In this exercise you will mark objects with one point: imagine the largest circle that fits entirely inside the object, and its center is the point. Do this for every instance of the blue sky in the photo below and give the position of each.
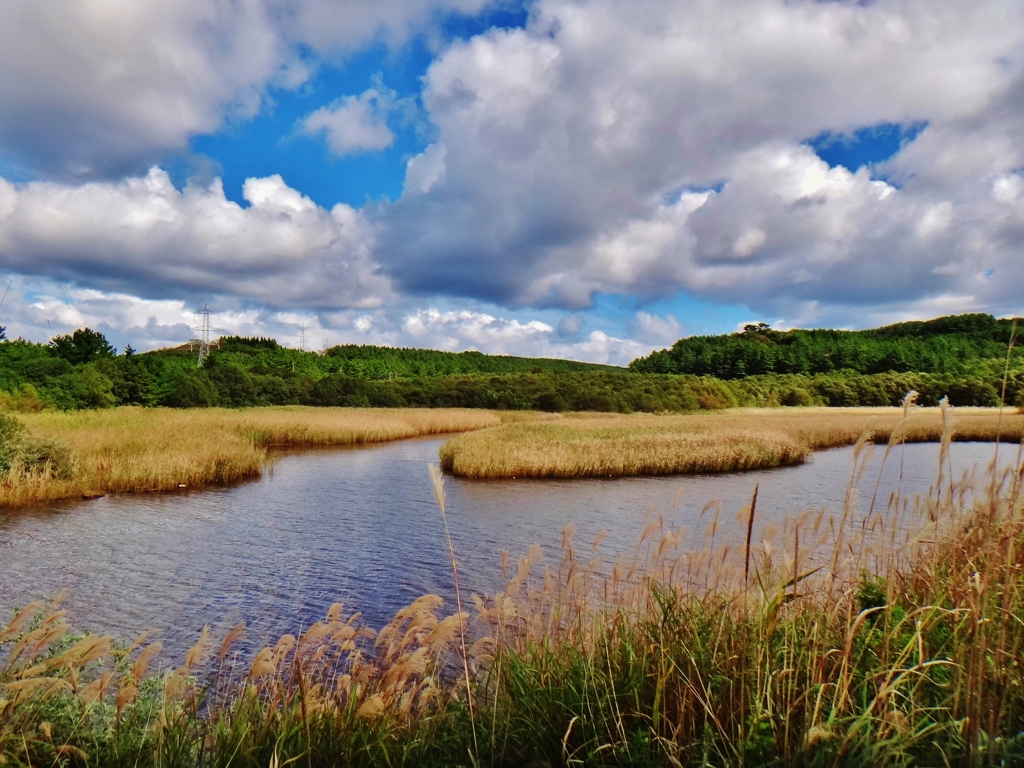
(270, 143)
(580, 179)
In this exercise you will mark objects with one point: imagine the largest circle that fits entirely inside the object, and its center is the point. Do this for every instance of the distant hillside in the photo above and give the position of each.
(372, 362)
(377, 362)
(959, 344)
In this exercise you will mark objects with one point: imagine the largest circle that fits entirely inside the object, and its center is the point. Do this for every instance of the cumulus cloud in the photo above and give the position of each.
(98, 89)
(450, 329)
(143, 236)
(466, 329)
(654, 147)
(654, 328)
(570, 325)
(329, 26)
(354, 123)
(625, 149)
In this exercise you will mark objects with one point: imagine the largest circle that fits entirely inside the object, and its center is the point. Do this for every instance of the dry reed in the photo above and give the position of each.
(134, 449)
(591, 445)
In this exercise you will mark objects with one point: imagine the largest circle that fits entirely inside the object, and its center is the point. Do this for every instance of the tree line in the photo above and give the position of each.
(961, 357)
(964, 345)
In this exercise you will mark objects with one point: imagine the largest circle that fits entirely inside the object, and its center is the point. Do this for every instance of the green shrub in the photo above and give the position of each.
(796, 396)
(32, 454)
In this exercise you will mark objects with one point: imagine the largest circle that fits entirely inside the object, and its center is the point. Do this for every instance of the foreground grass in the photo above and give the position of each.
(828, 643)
(135, 449)
(590, 445)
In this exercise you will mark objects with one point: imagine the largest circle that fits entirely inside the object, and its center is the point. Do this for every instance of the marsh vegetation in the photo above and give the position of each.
(596, 445)
(59, 455)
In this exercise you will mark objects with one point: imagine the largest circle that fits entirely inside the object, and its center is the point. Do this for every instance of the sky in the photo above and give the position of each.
(588, 179)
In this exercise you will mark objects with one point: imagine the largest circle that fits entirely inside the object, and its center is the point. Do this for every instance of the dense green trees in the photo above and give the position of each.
(961, 344)
(83, 346)
(82, 370)
(962, 357)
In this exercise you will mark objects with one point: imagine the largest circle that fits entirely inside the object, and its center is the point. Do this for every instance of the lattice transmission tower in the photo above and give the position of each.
(203, 342)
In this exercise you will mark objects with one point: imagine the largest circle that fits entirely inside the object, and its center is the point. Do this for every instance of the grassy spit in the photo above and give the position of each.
(137, 449)
(828, 642)
(591, 445)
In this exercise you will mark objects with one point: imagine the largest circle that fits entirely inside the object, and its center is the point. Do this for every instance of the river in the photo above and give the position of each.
(360, 525)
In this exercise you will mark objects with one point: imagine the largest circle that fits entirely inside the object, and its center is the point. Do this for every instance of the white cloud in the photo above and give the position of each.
(329, 26)
(425, 169)
(455, 329)
(465, 329)
(570, 325)
(1007, 188)
(90, 88)
(96, 89)
(657, 329)
(573, 157)
(936, 220)
(749, 242)
(143, 236)
(354, 123)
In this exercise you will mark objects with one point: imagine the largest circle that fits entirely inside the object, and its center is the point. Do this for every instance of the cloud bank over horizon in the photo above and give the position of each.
(585, 183)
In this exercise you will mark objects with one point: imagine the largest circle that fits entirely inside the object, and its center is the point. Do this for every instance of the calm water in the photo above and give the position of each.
(361, 526)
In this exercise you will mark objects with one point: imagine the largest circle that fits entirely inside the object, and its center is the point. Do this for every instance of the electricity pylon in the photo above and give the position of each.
(203, 342)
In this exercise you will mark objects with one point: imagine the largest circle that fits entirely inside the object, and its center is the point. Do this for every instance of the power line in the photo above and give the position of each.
(2, 300)
(64, 292)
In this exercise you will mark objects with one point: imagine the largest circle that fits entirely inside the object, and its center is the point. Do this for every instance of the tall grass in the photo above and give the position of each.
(889, 637)
(581, 445)
(135, 449)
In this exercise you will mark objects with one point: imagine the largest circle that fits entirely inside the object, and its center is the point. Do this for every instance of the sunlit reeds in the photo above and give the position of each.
(590, 445)
(136, 449)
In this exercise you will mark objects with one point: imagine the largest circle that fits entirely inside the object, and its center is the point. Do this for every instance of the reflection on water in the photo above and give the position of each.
(360, 526)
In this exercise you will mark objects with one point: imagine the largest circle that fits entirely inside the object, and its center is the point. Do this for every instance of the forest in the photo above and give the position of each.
(962, 345)
(963, 357)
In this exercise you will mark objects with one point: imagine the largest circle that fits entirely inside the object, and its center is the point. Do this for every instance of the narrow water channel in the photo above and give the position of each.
(360, 525)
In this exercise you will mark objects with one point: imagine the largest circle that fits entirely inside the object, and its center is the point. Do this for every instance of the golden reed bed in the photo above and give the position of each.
(136, 449)
(593, 445)
(129, 450)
